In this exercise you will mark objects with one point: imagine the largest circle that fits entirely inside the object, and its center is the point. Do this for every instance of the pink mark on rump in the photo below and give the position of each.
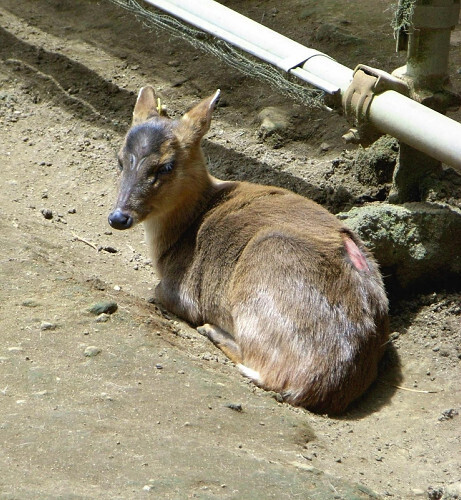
(356, 256)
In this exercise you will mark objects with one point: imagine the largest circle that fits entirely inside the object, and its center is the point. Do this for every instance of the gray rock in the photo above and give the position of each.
(103, 318)
(91, 351)
(452, 491)
(45, 325)
(273, 120)
(448, 414)
(235, 406)
(40, 393)
(103, 307)
(47, 213)
(30, 303)
(15, 349)
(416, 243)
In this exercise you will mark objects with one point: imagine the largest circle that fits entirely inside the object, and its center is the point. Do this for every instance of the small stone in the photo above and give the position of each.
(47, 213)
(434, 493)
(273, 120)
(103, 307)
(324, 147)
(159, 366)
(278, 397)
(97, 284)
(453, 490)
(30, 303)
(72, 211)
(109, 249)
(103, 318)
(45, 325)
(448, 414)
(15, 349)
(91, 351)
(40, 393)
(235, 406)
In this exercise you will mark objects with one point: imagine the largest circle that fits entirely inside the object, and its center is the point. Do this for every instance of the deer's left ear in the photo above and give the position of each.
(196, 122)
(146, 105)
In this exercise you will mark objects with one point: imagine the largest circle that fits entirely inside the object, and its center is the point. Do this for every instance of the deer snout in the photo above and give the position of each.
(120, 220)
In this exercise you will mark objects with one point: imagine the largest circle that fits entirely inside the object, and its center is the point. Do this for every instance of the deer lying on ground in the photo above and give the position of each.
(271, 278)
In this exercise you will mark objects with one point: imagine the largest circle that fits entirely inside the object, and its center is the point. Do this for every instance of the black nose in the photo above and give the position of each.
(120, 220)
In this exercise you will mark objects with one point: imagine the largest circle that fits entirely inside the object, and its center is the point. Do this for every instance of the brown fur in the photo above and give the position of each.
(286, 290)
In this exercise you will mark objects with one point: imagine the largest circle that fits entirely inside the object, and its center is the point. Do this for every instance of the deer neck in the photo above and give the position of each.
(163, 231)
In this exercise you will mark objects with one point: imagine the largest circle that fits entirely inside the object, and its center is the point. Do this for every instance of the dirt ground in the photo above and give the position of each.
(136, 403)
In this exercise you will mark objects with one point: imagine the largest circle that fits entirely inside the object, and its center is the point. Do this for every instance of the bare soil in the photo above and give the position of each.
(136, 403)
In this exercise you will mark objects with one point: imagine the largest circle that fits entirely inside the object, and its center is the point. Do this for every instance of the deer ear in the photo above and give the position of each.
(196, 122)
(146, 105)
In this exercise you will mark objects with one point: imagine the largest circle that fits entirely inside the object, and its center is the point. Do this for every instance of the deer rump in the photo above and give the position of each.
(297, 300)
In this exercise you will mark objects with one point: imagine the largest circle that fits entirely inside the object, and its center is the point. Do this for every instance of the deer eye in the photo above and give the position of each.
(166, 168)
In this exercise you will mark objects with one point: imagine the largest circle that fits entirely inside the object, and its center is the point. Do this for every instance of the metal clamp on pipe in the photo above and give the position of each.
(297, 64)
(366, 83)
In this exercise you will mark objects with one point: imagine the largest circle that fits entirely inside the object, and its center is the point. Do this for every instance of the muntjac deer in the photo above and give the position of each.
(271, 278)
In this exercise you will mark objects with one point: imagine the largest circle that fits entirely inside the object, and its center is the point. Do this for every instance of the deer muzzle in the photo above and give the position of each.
(120, 220)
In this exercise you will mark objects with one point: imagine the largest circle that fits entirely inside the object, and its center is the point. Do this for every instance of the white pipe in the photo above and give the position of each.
(390, 112)
(418, 126)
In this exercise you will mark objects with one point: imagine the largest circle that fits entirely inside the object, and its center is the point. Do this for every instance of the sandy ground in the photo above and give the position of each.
(136, 403)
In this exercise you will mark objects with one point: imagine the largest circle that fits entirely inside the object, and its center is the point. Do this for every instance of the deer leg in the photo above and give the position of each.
(223, 340)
